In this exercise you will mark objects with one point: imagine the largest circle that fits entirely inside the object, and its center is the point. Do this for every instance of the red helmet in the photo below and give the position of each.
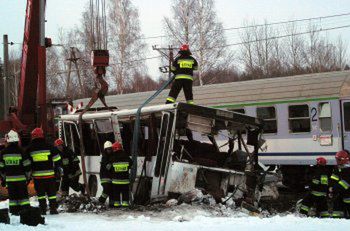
(37, 133)
(321, 161)
(117, 146)
(342, 157)
(58, 142)
(185, 47)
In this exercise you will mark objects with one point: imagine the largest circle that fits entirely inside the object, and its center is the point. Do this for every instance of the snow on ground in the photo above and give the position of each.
(183, 217)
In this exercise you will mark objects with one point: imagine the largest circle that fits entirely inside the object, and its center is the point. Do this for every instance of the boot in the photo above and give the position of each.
(53, 211)
(102, 200)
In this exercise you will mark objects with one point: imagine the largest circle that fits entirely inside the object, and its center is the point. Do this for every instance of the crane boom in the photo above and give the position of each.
(31, 104)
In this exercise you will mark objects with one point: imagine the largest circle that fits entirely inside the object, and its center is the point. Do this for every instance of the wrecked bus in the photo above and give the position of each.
(181, 147)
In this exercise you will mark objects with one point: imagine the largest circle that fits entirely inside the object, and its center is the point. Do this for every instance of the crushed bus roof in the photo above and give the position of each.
(202, 111)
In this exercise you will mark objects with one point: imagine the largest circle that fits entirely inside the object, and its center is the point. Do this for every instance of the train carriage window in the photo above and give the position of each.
(346, 108)
(268, 114)
(325, 116)
(239, 110)
(299, 118)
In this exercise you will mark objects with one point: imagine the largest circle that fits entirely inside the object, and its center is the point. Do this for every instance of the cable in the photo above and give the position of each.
(276, 37)
(239, 28)
(227, 45)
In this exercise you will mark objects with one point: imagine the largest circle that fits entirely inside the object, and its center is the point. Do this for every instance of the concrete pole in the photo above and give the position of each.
(6, 75)
(1, 94)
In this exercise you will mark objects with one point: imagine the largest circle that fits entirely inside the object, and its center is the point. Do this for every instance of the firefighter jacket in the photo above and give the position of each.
(45, 162)
(184, 65)
(340, 182)
(14, 163)
(120, 164)
(105, 167)
(70, 162)
(319, 181)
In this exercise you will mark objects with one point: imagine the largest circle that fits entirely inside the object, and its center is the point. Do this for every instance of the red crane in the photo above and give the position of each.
(31, 105)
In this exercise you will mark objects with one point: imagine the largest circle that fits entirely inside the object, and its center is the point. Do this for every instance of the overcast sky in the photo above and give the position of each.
(232, 13)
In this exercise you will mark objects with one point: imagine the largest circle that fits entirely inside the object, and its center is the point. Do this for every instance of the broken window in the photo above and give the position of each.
(325, 116)
(268, 114)
(299, 118)
(104, 132)
(90, 140)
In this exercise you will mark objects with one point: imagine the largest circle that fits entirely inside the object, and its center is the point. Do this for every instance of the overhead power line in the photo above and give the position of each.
(241, 27)
(227, 45)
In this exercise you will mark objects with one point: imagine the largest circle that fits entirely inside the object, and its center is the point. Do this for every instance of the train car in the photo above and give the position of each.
(306, 116)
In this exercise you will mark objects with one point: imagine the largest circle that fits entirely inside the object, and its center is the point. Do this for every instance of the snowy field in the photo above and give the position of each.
(182, 217)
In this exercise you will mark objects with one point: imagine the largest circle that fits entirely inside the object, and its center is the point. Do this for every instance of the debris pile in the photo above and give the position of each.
(80, 203)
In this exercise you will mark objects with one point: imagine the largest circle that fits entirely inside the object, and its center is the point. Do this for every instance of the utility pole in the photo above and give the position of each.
(73, 59)
(167, 52)
(5, 76)
(1, 95)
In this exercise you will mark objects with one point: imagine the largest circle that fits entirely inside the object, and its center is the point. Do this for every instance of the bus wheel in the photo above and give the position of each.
(93, 185)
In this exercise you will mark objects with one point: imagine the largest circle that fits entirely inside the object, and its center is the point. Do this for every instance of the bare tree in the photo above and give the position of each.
(195, 22)
(126, 43)
(295, 52)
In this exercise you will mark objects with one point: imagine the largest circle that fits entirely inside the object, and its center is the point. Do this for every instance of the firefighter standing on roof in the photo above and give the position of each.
(119, 166)
(105, 176)
(318, 190)
(15, 172)
(71, 168)
(340, 186)
(183, 67)
(44, 166)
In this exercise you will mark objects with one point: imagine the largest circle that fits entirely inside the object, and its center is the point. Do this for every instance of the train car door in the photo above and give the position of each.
(346, 123)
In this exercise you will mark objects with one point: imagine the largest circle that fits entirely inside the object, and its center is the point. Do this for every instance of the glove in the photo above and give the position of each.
(108, 166)
(60, 172)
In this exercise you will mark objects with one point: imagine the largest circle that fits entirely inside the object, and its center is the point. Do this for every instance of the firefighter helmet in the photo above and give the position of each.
(58, 142)
(12, 137)
(117, 146)
(185, 47)
(342, 157)
(321, 161)
(107, 144)
(37, 133)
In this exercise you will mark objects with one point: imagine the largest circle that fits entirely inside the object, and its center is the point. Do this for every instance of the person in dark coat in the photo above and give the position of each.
(71, 169)
(105, 176)
(317, 197)
(15, 173)
(119, 167)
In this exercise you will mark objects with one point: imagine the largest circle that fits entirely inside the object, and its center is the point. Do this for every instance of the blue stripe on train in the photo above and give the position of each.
(297, 154)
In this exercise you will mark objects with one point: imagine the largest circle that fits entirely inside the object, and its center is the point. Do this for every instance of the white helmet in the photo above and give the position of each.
(12, 137)
(107, 144)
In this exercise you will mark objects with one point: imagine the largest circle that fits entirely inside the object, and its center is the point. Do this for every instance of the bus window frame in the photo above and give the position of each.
(72, 146)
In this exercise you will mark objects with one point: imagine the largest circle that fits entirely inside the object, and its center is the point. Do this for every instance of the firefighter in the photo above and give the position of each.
(340, 186)
(105, 176)
(183, 67)
(71, 169)
(45, 165)
(318, 190)
(119, 166)
(15, 171)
